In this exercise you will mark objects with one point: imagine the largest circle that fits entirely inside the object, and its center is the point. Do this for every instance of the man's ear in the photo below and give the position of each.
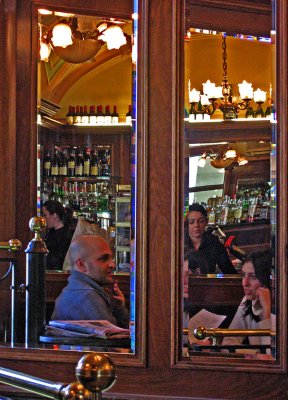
(81, 265)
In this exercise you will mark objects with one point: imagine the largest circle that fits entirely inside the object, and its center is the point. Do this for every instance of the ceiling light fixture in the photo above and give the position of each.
(75, 46)
(220, 97)
(223, 159)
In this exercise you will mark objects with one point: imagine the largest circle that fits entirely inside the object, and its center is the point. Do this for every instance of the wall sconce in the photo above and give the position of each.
(222, 160)
(220, 97)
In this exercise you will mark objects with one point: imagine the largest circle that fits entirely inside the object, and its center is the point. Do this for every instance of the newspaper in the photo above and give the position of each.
(100, 328)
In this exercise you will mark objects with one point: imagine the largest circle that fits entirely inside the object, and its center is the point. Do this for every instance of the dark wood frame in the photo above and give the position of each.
(163, 373)
(28, 61)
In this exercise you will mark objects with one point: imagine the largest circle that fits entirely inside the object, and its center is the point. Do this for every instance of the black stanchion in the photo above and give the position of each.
(35, 318)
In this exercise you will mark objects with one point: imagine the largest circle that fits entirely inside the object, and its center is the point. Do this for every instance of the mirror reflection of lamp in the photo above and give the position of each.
(113, 36)
(62, 35)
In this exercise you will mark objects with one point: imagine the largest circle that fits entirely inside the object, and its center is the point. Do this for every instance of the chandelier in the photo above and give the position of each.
(222, 159)
(220, 98)
(74, 45)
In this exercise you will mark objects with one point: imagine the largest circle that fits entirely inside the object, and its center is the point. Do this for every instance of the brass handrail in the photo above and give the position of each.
(95, 373)
(202, 333)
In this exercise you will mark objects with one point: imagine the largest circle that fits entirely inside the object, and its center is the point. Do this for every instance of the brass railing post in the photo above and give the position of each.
(96, 373)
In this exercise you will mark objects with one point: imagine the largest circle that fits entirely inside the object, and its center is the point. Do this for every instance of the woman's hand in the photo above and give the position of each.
(264, 297)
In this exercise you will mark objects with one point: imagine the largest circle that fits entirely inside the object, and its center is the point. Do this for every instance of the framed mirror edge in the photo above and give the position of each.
(137, 359)
(279, 365)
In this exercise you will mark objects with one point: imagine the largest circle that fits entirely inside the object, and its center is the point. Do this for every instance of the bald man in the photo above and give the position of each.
(85, 297)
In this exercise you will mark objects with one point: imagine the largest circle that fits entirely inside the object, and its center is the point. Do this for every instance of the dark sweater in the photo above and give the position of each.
(210, 254)
(57, 242)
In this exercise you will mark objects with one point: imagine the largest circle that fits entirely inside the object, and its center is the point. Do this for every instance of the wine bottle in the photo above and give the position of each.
(129, 115)
(81, 112)
(85, 116)
(63, 167)
(55, 164)
(100, 115)
(249, 111)
(94, 170)
(71, 163)
(47, 164)
(115, 116)
(92, 117)
(87, 162)
(70, 116)
(79, 164)
(108, 116)
(77, 117)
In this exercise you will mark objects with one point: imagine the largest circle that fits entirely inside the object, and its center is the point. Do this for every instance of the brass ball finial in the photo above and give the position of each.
(96, 372)
(75, 391)
(37, 224)
(15, 245)
(200, 332)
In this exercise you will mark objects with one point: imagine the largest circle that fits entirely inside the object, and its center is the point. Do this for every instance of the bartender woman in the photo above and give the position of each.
(205, 251)
(59, 234)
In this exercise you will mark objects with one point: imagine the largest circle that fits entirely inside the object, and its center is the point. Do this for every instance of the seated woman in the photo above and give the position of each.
(254, 311)
(59, 234)
(205, 251)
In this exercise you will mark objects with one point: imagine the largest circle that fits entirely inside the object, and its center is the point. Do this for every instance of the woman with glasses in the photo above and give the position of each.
(205, 251)
(254, 311)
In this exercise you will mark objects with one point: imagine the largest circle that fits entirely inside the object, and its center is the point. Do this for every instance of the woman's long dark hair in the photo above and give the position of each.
(64, 213)
(262, 262)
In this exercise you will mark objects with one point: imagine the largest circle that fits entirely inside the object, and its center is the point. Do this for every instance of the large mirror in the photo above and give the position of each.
(86, 152)
(230, 221)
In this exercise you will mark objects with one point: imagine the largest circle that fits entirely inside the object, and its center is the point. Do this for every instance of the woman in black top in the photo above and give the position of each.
(59, 234)
(205, 251)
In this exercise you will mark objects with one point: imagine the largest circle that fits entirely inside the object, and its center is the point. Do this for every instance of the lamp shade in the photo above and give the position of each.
(114, 37)
(61, 35)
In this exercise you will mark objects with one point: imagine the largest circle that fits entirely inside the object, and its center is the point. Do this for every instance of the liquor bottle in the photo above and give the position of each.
(259, 113)
(245, 207)
(100, 115)
(55, 164)
(211, 216)
(129, 115)
(77, 116)
(105, 164)
(231, 210)
(115, 116)
(94, 170)
(65, 197)
(63, 165)
(85, 116)
(238, 212)
(71, 163)
(268, 110)
(108, 116)
(92, 197)
(87, 163)
(70, 116)
(47, 164)
(79, 164)
(92, 117)
(75, 204)
(249, 111)
(224, 210)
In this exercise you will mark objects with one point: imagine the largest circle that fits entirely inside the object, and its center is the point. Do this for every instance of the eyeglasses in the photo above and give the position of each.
(248, 275)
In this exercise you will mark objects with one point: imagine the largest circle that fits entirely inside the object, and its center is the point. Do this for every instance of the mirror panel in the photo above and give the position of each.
(90, 155)
(236, 190)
